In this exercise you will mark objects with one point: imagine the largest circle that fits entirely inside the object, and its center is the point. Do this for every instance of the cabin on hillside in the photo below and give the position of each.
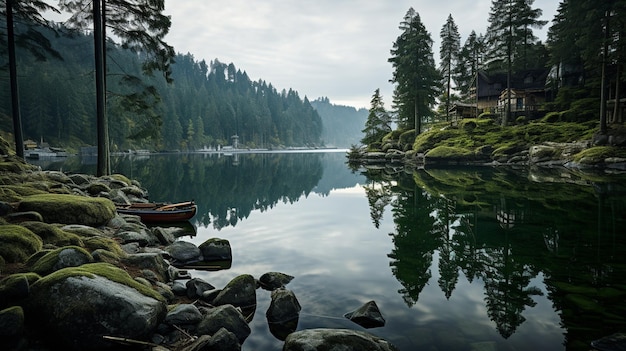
(528, 92)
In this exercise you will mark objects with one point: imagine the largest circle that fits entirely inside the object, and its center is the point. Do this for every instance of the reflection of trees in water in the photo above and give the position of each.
(505, 236)
(227, 191)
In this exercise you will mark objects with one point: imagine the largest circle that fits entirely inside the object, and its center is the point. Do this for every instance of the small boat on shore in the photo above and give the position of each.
(160, 212)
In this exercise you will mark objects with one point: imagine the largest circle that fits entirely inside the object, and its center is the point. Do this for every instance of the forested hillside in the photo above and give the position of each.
(342, 124)
(205, 105)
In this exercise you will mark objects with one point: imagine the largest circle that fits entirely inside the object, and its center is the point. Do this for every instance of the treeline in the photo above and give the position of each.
(342, 124)
(206, 104)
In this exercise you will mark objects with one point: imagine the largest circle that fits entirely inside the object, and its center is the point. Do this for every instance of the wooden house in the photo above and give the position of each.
(528, 92)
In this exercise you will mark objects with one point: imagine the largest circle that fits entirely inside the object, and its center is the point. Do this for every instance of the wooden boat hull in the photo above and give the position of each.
(152, 212)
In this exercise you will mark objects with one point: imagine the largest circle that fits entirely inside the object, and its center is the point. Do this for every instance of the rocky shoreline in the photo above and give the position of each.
(548, 154)
(76, 275)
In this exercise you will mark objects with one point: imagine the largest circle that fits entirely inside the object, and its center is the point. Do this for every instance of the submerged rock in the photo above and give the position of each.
(335, 339)
(367, 316)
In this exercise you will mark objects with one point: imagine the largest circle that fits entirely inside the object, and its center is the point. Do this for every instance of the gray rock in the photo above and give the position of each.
(143, 238)
(228, 317)
(179, 288)
(367, 316)
(613, 342)
(196, 287)
(335, 340)
(239, 292)
(183, 252)
(216, 249)
(164, 236)
(183, 314)
(69, 256)
(82, 230)
(274, 280)
(98, 306)
(150, 261)
(283, 307)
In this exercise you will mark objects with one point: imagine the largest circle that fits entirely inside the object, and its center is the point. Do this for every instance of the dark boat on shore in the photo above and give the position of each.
(160, 212)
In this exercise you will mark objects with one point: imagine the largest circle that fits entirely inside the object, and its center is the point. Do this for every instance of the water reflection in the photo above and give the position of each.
(457, 259)
(501, 229)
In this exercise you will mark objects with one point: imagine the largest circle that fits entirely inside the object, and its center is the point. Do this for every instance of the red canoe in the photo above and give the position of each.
(158, 212)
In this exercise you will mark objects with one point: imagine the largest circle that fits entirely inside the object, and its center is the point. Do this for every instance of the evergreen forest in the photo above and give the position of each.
(204, 106)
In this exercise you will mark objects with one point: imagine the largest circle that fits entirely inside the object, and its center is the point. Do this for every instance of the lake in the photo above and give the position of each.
(456, 259)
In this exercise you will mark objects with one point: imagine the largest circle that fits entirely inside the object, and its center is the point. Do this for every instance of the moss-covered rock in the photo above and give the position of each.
(18, 243)
(101, 243)
(70, 209)
(77, 306)
(13, 193)
(51, 234)
(16, 287)
(11, 323)
(68, 256)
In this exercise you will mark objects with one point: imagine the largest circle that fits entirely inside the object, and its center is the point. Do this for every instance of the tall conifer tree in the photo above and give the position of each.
(415, 75)
(448, 56)
(378, 122)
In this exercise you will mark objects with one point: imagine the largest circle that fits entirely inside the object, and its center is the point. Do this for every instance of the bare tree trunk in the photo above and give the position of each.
(15, 94)
(617, 116)
(605, 51)
(103, 166)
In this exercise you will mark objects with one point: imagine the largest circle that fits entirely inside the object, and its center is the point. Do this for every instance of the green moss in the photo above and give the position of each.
(51, 234)
(448, 152)
(18, 243)
(11, 280)
(103, 243)
(14, 193)
(599, 153)
(122, 178)
(70, 209)
(101, 269)
(46, 264)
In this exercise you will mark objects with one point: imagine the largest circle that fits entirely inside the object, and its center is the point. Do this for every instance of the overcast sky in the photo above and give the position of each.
(333, 48)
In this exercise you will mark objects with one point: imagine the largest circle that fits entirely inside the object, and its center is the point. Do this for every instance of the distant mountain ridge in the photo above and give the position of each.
(342, 125)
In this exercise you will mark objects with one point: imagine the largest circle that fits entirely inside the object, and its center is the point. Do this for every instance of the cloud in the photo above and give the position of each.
(334, 48)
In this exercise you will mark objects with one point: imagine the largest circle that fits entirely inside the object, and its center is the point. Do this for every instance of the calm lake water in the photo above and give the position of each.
(456, 259)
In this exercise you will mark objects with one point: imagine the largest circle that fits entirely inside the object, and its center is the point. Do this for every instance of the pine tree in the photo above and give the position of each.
(415, 76)
(470, 59)
(141, 27)
(508, 37)
(378, 122)
(449, 56)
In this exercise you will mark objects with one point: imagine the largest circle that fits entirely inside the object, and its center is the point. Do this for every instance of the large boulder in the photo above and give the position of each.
(335, 340)
(70, 209)
(78, 306)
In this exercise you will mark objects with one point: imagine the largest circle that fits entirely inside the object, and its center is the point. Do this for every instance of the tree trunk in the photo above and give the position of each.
(605, 51)
(103, 166)
(617, 115)
(15, 94)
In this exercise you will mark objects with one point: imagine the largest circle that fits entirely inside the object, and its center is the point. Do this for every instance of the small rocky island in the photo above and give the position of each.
(76, 275)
